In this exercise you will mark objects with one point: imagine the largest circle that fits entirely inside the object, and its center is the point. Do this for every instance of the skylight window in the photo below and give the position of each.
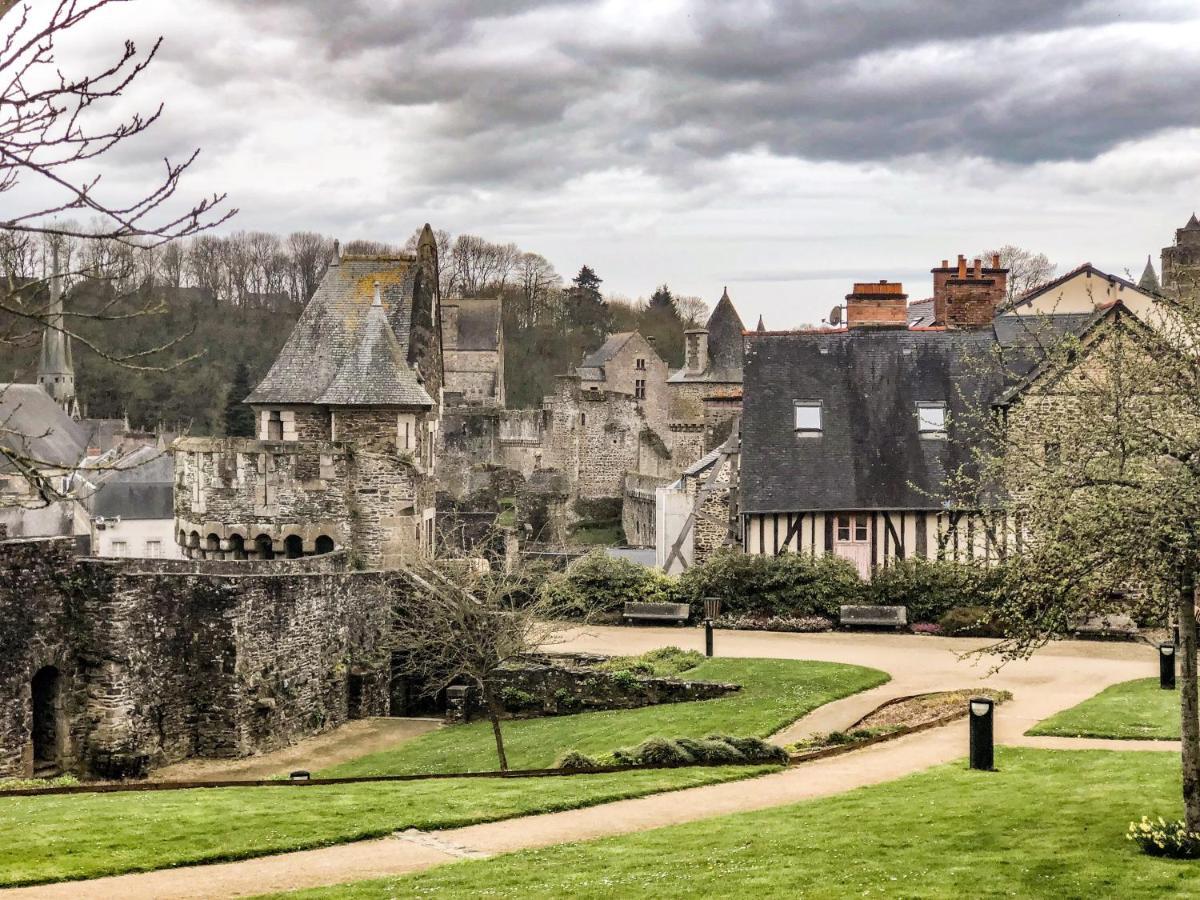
(931, 418)
(808, 416)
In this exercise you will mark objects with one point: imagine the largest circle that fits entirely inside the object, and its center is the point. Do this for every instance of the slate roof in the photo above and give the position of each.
(328, 334)
(869, 454)
(725, 347)
(140, 485)
(1149, 279)
(592, 367)
(478, 323)
(920, 313)
(34, 426)
(376, 371)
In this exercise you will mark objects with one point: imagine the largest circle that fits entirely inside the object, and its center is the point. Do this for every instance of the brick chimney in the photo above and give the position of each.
(881, 304)
(966, 296)
(695, 359)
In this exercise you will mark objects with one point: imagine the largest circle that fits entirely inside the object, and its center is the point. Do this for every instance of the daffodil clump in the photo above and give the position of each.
(1158, 837)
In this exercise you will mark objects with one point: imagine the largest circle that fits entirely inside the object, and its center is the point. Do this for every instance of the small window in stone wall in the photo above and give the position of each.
(641, 364)
(275, 426)
(639, 389)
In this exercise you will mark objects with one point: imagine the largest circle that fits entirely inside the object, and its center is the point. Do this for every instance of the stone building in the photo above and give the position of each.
(473, 348)
(348, 422)
(1181, 261)
(705, 395)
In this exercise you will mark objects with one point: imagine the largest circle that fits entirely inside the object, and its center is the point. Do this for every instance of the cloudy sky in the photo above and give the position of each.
(784, 149)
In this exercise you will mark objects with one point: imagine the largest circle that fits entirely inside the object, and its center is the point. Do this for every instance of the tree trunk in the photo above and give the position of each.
(1188, 705)
(493, 707)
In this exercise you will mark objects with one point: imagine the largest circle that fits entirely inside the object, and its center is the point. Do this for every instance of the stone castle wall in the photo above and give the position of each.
(154, 667)
(637, 508)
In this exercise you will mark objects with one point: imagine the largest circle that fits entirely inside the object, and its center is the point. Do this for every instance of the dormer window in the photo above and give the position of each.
(931, 419)
(807, 415)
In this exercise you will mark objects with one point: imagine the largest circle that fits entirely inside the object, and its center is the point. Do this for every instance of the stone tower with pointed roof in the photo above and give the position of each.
(56, 369)
(348, 419)
(1181, 262)
(1149, 279)
(706, 394)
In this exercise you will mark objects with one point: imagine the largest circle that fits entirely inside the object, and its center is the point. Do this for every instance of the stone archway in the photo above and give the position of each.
(293, 546)
(46, 726)
(324, 545)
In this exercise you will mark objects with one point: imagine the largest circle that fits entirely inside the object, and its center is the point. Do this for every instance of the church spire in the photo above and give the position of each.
(56, 371)
(1149, 279)
(761, 325)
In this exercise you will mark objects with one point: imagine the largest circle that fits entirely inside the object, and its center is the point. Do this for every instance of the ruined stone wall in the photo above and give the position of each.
(637, 508)
(720, 413)
(158, 666)
(699, 415)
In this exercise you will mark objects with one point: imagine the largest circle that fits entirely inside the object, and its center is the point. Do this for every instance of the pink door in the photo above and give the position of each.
(852, 541)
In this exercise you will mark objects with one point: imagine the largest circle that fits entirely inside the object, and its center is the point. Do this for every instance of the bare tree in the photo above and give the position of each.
(464, 622)
(53, 142)
(309, 253)
(537, 281)
(1026, 269)
(692, 310)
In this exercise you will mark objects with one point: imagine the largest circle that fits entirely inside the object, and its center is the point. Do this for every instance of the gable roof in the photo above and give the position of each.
(1041, 289)
(592, 367)
(478, 323)
(36, 427)
(376, 371)
(328, 332)
(869, 454)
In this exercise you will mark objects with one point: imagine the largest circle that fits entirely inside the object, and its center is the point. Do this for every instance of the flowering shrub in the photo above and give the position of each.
(927, 628)
(1159, 837)
(804, 624)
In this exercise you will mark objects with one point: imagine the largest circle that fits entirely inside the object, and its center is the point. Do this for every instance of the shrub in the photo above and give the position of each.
(968, 621)
(515, 699)
(752, 748)
(664, 662)
(658, 751)
(573, 759)
(1159, 837)
(794, 624)
(929, 589)
(790, 585)
(927, 628)
(601, 583)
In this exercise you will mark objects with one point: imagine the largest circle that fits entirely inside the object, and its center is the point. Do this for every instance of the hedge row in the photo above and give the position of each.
(788, 586)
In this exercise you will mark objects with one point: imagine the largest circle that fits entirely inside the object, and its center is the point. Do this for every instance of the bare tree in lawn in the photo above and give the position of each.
(54, 139)
(1094, 464)
(461, 623)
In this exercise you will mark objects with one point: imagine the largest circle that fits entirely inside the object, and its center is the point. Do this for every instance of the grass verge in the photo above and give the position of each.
(1131, 710)
(775, 692)
(86, 836)
(1047, 824)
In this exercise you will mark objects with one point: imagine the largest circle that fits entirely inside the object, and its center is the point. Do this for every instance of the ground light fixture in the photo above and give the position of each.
(981, 712)
(1166, 666)
(712, 609)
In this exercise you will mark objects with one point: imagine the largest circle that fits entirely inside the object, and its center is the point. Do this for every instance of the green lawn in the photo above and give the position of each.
(1131, 710)
(89, 835)
(775, 692)
(1047, 824)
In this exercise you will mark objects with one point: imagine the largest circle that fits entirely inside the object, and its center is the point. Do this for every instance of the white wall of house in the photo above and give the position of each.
(136, 538)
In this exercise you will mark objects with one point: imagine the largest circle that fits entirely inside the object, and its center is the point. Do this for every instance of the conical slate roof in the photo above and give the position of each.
(1193, 222)
(1149, 279)
(725, 348)
(330, 333)
(376, 372)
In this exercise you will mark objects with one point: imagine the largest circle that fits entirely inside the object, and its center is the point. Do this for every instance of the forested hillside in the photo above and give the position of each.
(212, 304)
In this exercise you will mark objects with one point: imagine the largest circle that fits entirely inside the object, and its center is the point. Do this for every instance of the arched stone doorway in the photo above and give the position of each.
(46, 726)
(264, 546)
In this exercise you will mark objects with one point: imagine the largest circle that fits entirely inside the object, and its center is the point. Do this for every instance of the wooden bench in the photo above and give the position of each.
(658, 612)
(873, 616)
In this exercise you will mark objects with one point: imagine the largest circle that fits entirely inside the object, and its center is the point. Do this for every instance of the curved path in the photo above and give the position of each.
(1057, 677)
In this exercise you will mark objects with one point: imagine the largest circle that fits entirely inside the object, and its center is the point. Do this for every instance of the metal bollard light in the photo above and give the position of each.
(981, 712)
(712, 609)
(1166, 666)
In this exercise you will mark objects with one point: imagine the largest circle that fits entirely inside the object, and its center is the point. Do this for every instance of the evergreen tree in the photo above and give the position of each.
(586, 307)
(239, 418)
(662, 299)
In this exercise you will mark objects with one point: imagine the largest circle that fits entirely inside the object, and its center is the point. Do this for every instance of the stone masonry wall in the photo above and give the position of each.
(157, 667)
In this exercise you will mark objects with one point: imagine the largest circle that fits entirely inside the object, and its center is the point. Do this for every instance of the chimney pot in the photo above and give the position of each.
(978, 267)
(995, 260)
(962, 266)
(945, 263)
